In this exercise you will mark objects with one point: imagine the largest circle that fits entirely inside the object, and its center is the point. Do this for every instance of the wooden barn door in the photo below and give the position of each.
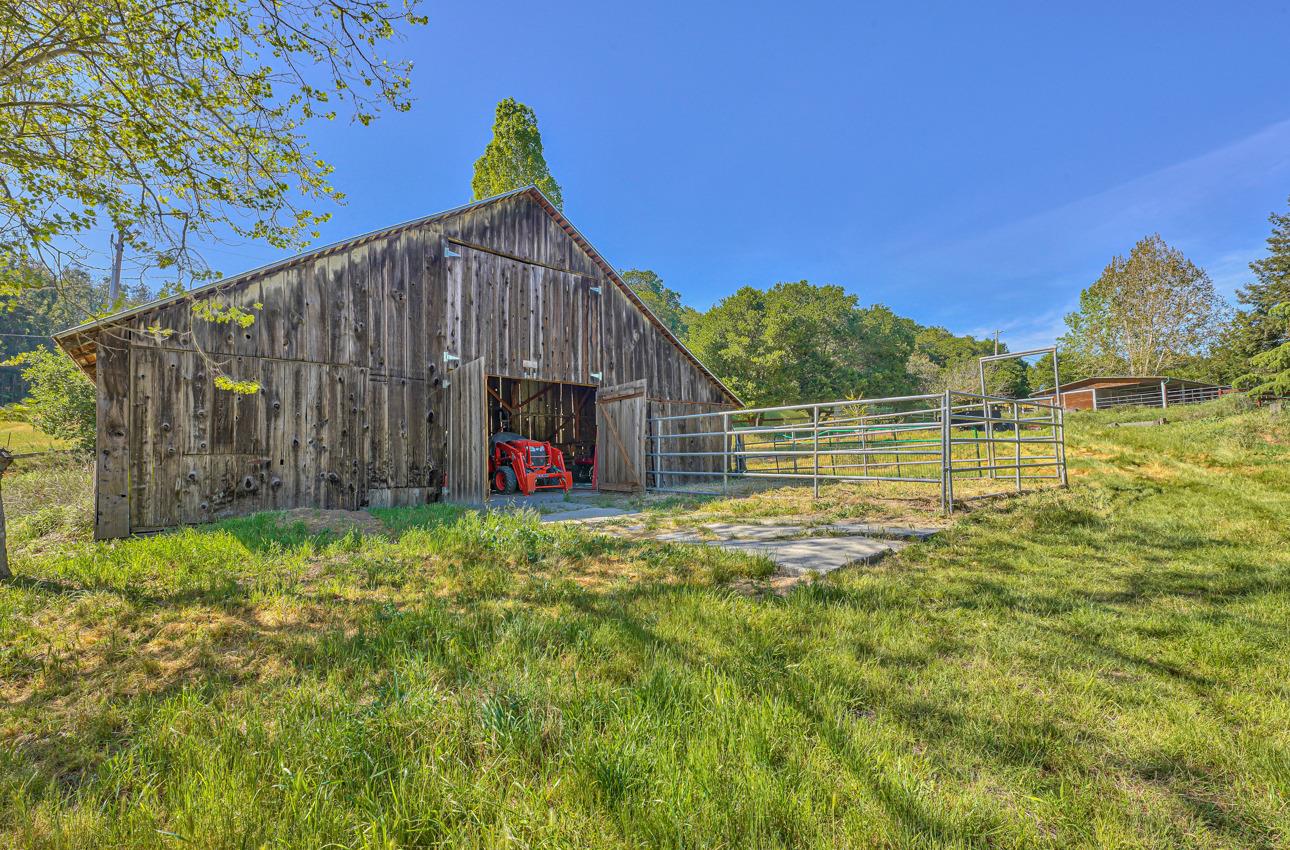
(620, 437)
(467, 463)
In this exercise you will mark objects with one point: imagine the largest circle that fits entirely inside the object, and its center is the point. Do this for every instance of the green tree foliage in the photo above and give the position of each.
(1039, 375)
(943, 347)
(176, 121)
(1253, 328)
(1269, 373)
(798, 342)
(30, 317)
(60, 400)
(942, 360)
(1146, 314)
(665, 303)
(514, 157)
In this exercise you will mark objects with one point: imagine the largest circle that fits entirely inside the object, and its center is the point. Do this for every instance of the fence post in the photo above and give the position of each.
(815, 450)
(947, 458)
(1016, 433)
(725, 453)
(989, 432)
(1060, 434)
(655, 445)
(864, 446)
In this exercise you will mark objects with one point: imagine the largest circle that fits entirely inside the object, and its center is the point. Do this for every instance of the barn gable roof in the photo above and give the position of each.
(79, 341)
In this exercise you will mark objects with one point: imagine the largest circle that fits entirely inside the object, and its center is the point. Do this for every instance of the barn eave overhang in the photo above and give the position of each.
(81, 342)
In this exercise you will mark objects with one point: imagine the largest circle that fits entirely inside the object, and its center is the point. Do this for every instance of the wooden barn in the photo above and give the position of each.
(384, 363)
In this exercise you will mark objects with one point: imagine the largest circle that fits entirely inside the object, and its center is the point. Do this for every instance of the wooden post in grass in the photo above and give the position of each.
(6, 458)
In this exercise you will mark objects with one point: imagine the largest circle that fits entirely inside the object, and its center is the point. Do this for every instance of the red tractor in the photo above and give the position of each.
(518, 463)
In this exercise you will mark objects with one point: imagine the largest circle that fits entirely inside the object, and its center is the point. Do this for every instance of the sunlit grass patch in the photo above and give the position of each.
(1100, 666)
(22, 438)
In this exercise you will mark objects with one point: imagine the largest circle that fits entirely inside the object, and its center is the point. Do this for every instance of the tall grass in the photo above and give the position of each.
(1100, 666)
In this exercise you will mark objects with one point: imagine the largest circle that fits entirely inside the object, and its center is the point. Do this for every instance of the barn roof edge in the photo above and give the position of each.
(73, 340)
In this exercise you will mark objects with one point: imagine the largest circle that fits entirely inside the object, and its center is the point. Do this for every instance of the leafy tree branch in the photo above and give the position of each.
(176, 122)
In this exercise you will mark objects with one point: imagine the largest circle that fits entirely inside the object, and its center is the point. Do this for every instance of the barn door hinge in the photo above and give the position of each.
(597, 376)
(595, 290)
(450, 358)
(449, 251)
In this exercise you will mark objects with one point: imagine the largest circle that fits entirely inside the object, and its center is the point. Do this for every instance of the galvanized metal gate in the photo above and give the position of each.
(920, 439)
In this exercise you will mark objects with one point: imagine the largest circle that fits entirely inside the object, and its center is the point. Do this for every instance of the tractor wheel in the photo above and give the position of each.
(504, 480)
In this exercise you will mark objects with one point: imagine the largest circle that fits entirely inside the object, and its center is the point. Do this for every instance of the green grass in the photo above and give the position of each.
(1104, 666)
(23, 438)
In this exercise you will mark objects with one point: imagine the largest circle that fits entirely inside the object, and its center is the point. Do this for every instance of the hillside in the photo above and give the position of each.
(1104, 665)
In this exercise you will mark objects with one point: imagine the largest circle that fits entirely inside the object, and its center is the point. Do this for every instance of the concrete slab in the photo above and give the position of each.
(584, 514)
(795, 555)
(868, 529)
(736, 531)
(816, 554)
(544, 501)
(730, 531)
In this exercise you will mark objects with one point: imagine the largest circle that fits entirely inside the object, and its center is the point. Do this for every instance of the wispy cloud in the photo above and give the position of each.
(1027, 331)
(1028, 272)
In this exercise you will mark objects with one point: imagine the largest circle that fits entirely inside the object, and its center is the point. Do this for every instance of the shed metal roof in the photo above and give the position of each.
(1121, 380)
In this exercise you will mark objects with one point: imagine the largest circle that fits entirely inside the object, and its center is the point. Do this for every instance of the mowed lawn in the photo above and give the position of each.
(1108, 666)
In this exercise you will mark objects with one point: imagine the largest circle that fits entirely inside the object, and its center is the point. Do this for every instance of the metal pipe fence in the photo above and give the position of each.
(1152, 397)
(1142, 396)
(920, 439)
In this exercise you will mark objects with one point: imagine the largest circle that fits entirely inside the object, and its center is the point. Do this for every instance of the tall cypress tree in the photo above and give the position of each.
(514, 156)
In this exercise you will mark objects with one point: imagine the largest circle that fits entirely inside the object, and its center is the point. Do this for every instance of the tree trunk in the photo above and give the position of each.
(6, 458)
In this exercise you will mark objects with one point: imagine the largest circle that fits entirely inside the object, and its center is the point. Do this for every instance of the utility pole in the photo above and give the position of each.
(996, 342)
(114, 288)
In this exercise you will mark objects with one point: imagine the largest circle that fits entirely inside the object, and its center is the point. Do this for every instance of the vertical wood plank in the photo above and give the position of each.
(112, 439)
(467, 443)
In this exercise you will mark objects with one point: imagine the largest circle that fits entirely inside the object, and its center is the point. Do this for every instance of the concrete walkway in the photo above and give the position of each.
(578, 514)
(816, 554)
(795, 549)
(578, 505)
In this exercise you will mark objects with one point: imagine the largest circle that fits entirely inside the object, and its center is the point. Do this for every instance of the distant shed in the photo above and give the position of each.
(1099, 393)
(384, 363)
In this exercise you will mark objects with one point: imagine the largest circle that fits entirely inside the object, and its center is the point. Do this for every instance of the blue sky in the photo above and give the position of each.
(971, 165)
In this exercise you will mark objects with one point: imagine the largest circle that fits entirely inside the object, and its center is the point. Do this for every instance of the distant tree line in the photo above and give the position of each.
(1155, 312)
(58, 398)
(800, 342)
(1151, 312)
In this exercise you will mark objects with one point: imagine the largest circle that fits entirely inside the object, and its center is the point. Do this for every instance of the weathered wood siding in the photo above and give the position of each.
(524, 320)
(112, 467)
(348, 347)
(467, 446)
(706, 453)
(621, 451)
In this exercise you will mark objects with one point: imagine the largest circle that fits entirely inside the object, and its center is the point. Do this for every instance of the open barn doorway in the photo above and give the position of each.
(541, 437)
